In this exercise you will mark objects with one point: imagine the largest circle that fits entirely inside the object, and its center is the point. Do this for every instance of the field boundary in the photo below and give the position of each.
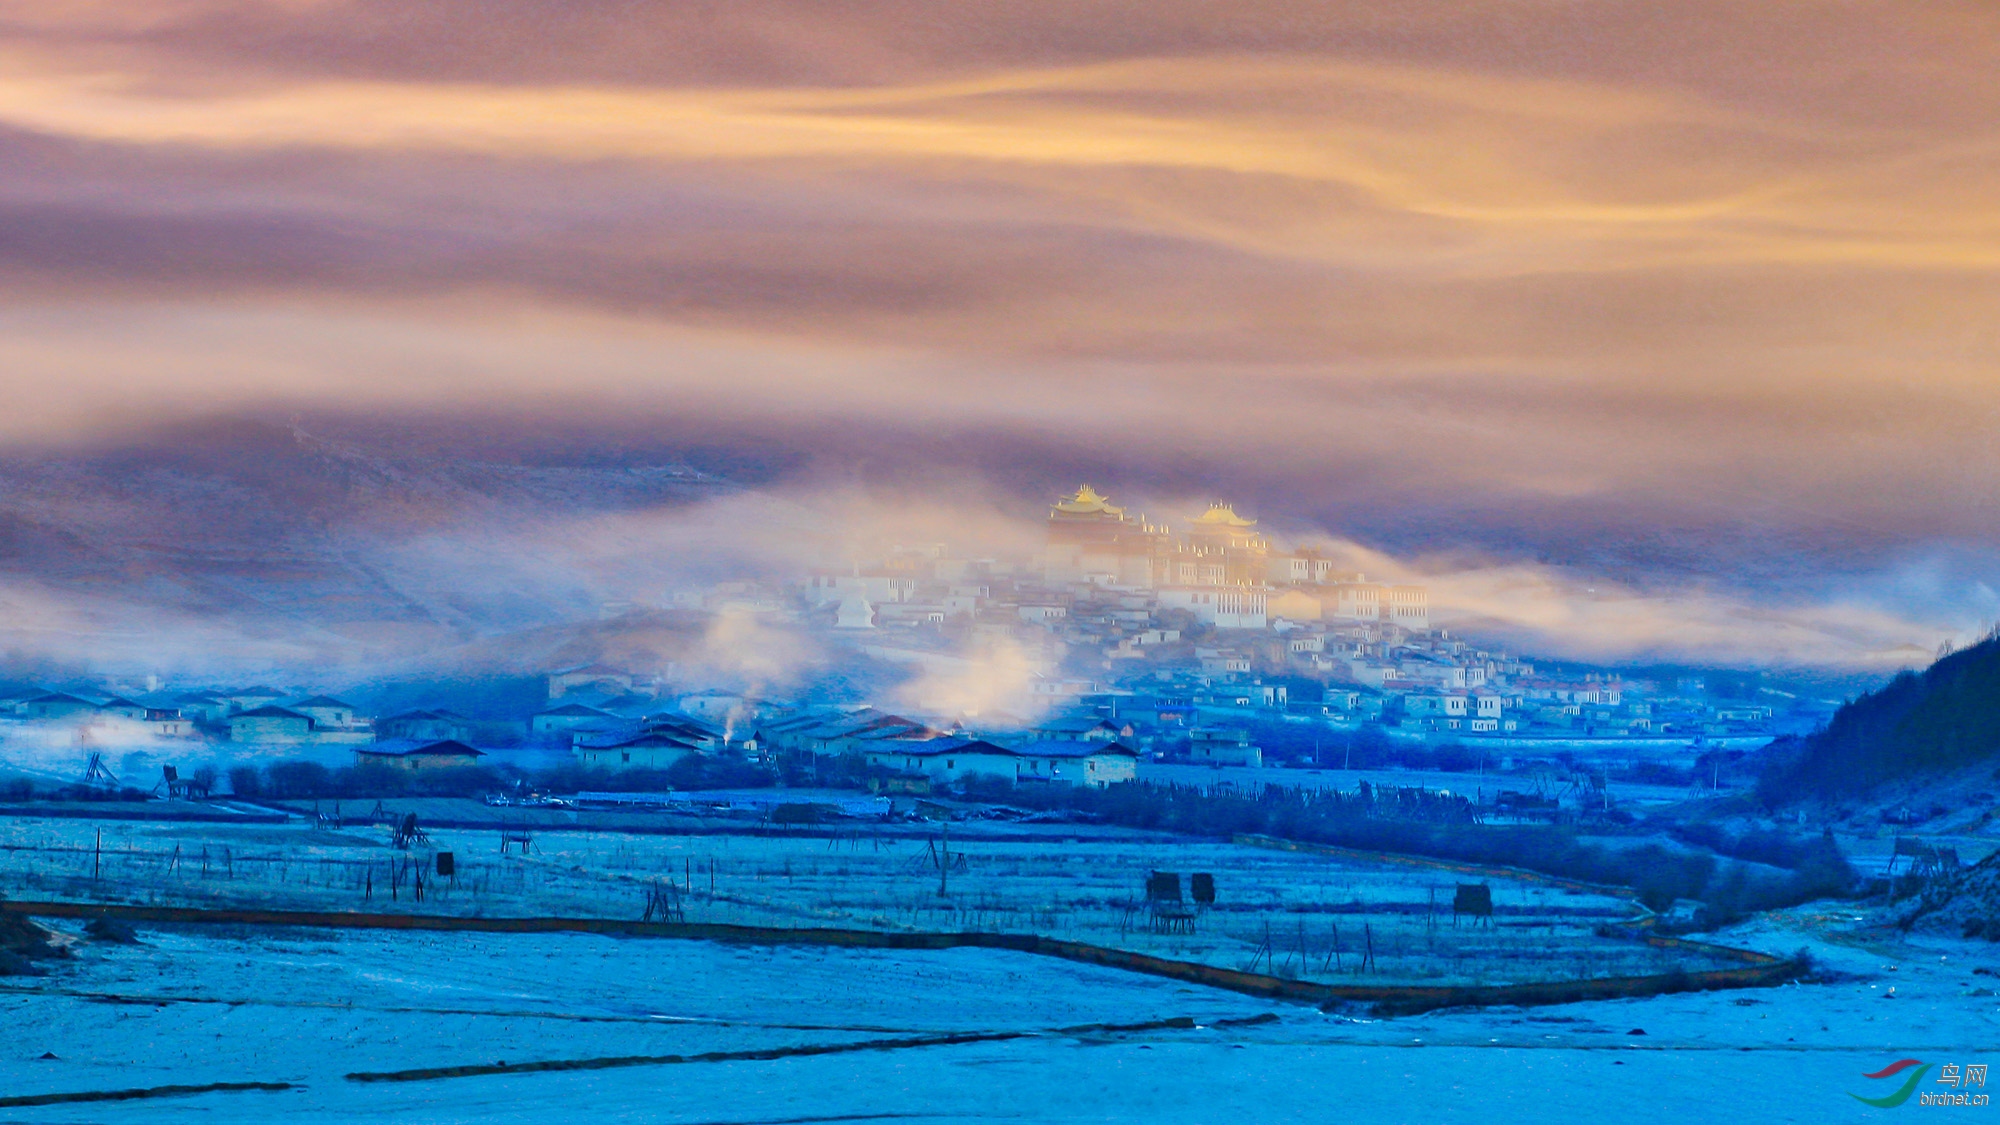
(23, 1100)
(186, 813)
(1763, 971)
(1456, 866)
(1639, 928)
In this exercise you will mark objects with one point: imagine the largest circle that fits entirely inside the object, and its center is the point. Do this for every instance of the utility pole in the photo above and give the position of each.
(944, 862)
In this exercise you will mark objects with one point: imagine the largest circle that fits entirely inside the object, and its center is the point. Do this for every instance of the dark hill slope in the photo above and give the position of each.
(1944, 718)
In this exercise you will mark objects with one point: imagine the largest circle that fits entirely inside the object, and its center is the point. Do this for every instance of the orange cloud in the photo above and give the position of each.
(1724, 268)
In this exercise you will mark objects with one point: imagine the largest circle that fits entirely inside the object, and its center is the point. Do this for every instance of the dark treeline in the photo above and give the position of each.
(1659, 874)
(1768, 846)
(1371, 747)
(293, 780)
(1946, 717)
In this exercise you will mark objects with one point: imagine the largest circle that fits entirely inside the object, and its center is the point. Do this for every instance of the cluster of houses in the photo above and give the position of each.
(1076, 751)
(598, 719)
(1139, 639)
(260, 714)
(604, 719)
(609, 726)
(259, 717)
(1213, 619)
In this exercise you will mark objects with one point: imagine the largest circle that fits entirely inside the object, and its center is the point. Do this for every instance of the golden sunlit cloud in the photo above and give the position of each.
(1504, 267)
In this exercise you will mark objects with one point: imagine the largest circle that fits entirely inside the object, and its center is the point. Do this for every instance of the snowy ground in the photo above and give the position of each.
(1299, 914)
(304, 1007)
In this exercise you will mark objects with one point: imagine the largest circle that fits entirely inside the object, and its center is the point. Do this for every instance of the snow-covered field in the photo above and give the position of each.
(1301, 915)
(198, 1005)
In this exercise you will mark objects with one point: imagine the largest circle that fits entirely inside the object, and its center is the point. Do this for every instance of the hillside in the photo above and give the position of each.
(1944, 719)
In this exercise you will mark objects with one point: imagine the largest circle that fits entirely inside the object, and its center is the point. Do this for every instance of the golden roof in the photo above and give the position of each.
(1220, 514)
(1088, 501)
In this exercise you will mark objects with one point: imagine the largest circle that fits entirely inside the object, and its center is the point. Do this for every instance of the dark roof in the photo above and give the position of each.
(1077, 723)
(1051, 748)
(621, 739)
(1073, 748)
(426, 715)
(405, 748)
(935, 746)
(61, 697)
(671, 721)
(577, 709)
(271, 711)
(595, 668)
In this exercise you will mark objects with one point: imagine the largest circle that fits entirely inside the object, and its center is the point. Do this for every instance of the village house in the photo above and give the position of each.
(119, 707)
(1213, 747)
(416, 755)
(1084, 728)
(327, 713)
(432, 726)
(717, 706)
(1093, 763)
(1069, 762)
(283, 726)
(203, 706)
(271, 725)
(1048, 688)
(641, 750)
(856, 730)
(696, 733)
(1225, 607)
(166, 721)
(1435, 704)
(598, 677)
(569, 717)
(1222, 662)
(58, 705)
(251, 698)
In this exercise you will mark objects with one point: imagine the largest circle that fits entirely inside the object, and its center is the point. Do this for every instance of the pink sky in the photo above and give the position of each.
(1708, 265)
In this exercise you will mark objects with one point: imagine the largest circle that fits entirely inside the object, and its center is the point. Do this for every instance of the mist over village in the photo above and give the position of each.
(1116, 639)
(772, 563)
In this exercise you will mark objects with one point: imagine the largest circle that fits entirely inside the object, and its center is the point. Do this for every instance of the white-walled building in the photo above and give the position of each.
(1408, 606)
(1089, 762)
(645, 750)
(1225, 607)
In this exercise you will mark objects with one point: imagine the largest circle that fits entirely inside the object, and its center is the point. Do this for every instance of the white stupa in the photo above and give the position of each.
(855, 612)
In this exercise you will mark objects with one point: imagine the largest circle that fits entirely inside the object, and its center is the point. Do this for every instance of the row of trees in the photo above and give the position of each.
(1811, 868)
(307, 779)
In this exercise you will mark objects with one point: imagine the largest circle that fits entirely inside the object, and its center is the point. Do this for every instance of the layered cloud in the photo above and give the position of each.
(1699, 298)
